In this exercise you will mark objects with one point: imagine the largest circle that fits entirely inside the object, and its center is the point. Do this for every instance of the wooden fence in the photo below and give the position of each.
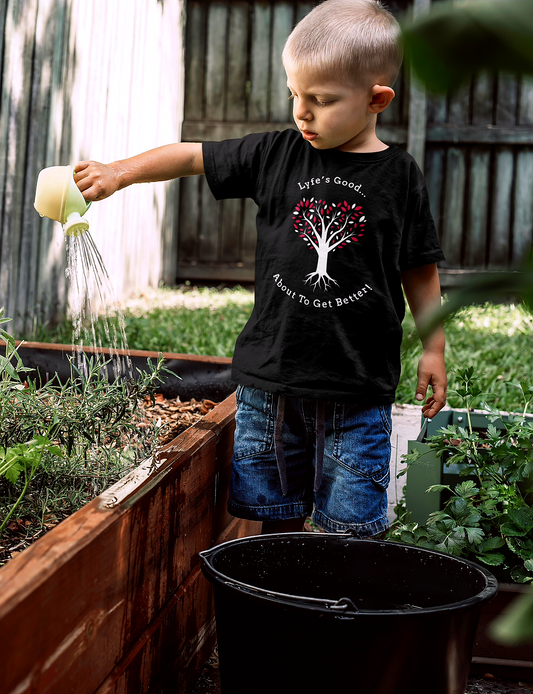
(85, 79)
(478, 143)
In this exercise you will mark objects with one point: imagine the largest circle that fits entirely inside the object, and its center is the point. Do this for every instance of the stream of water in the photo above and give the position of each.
(94, 307)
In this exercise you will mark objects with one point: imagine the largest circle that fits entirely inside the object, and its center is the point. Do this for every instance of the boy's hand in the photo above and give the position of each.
(432, 372)
(96, 181)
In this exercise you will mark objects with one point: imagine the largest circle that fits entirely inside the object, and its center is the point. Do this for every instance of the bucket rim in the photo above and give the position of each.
(344, 607)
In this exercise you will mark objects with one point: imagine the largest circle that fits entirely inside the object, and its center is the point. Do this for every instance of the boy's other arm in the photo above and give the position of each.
(98, 181)
(422, 289)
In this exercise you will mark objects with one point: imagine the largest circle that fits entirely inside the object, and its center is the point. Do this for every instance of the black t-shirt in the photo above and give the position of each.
(335, 230)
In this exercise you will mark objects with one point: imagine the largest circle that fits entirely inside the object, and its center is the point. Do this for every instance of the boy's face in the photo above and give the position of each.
(328, 113)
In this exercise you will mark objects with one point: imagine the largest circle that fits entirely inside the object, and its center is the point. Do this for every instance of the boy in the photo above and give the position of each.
(343, 222)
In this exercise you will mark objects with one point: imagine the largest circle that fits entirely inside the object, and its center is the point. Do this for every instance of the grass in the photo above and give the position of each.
(495, 339)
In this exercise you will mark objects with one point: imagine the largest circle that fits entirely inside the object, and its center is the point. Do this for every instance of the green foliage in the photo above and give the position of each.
(488, 517)
(62, 444)
(495, 337)
(454, 41)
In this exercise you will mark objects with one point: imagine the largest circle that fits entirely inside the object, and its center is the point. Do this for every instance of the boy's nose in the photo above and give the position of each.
(301, 112)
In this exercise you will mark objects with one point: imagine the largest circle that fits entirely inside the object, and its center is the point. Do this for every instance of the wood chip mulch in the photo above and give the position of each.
(174, 416)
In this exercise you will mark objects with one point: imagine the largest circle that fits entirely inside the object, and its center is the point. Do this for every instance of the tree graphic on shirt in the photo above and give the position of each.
(327, 227)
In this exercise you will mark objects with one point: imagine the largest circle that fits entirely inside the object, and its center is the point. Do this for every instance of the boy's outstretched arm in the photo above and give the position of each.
(422, 289)
(98, 181)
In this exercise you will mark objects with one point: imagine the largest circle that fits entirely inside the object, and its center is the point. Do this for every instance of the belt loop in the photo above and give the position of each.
(278, 445)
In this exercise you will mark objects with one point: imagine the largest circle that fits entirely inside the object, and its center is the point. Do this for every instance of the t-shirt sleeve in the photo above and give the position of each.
(233, 167)
(420, 243)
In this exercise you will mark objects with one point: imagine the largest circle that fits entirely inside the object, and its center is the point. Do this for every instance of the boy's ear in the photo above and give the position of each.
(380, 98)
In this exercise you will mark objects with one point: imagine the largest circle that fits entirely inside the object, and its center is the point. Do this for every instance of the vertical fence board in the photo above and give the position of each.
(507, 104)
(453, 217)
(435, 162)
(260, 60)
(523, 205)
(237, 67)
(525, 112)
(83, 80)
(478, 203)
(500, 238)
(280, 110)
(215, 61)
(194, 61)
(15, 120)
(482, 101)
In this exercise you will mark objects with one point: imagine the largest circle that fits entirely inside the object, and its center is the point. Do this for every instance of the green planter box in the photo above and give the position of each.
(429, 469)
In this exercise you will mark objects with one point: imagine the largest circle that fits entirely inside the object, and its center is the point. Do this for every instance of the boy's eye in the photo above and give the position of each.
(322, 103)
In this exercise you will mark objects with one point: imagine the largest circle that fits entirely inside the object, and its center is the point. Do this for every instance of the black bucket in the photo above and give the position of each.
(306, 613)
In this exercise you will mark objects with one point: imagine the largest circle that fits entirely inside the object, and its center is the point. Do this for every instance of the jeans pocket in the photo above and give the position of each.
(254, 423)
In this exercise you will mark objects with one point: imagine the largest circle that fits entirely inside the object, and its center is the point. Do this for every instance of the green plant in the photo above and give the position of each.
(488, 517)
(61, 444)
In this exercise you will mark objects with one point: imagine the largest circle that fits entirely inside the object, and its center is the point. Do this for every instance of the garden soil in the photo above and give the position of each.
(209, 683)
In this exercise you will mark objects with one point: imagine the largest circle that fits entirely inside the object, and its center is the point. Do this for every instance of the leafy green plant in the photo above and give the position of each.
(24, 458)
(488, 517)
(61, 444)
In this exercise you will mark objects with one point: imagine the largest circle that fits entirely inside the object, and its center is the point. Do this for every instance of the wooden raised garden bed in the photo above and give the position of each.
(113, 599)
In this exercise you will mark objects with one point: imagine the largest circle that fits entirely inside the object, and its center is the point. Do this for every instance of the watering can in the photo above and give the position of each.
(58, 197)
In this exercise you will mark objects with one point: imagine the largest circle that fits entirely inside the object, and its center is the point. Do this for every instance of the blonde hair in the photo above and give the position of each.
(356, 41)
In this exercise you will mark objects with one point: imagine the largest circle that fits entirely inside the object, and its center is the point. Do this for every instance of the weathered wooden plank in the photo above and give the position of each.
(523, 207)
(215, 78)
(27, 298)
(15, 118)
(283, 22)
(260, 62)
(437, 109)
(525, 111)
(194, 60)
(483, 100)
(236, 100)
(500, 236)
(435, 161)
(417, 119)
(453, 214)
(478, 208)
(459, 106)
(507, 104)
(416, 129)
(216, 272)
(480, 135)
(205, 131)
(51, 281)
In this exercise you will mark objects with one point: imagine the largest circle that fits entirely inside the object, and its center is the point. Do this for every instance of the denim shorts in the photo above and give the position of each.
(352, 494)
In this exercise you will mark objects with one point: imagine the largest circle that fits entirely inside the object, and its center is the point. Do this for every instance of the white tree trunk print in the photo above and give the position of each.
(325, 228)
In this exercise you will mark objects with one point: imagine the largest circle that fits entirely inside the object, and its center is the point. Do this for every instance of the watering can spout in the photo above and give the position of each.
(58, 197)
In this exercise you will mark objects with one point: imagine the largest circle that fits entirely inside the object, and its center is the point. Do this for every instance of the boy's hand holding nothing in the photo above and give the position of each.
(96, 181)
(432, 372)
